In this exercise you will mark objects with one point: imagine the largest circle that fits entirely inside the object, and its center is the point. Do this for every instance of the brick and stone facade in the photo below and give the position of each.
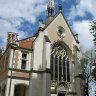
(27, 67)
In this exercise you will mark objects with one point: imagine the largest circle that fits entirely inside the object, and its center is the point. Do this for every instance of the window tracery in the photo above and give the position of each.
(60, 65)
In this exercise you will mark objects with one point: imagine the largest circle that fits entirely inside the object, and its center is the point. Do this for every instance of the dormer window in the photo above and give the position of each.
(61, 31)
(24, 61)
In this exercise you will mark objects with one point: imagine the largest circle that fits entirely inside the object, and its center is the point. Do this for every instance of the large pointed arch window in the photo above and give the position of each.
(60, 65)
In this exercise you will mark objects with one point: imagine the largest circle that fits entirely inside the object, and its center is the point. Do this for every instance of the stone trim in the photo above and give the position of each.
(21, 78)
(20, 70)
(80, 76)
(40, 72)
(32, 71)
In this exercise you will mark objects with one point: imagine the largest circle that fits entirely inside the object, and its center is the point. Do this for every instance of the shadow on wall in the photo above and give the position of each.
(38, 82)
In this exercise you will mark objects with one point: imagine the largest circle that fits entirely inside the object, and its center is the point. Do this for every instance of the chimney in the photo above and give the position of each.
(11, 38)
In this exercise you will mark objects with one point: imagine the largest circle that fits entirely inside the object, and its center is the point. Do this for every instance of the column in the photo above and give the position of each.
(66, 68)
(12, 90)
(58, 68)
(54, 67)
(62, 69)
(7, 89)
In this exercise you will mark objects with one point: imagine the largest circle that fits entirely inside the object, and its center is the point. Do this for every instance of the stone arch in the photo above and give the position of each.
(62, 87)
(63, 44)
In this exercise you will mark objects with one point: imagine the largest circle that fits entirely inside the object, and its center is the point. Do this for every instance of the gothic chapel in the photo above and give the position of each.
(45, 64)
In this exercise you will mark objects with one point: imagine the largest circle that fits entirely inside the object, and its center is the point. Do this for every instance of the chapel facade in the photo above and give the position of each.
(45, 64)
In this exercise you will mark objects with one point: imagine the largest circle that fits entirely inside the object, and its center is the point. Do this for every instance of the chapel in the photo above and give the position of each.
(45, 64)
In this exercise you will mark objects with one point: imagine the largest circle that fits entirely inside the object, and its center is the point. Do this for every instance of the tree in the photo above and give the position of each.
(93, 31)
(86, 65)
(94, 71)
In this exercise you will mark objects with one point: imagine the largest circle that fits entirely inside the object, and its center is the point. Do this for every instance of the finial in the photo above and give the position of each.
(50, 8)
(60, 7)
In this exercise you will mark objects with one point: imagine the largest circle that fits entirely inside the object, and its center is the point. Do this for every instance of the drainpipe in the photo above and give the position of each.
(11, 71)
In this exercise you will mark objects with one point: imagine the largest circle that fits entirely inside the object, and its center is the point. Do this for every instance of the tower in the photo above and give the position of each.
(50, 10)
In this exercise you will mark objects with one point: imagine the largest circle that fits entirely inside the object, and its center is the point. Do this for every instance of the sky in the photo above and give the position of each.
(22, 16)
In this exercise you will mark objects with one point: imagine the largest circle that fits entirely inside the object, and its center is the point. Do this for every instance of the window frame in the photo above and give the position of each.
(24, 59)
(63, 59)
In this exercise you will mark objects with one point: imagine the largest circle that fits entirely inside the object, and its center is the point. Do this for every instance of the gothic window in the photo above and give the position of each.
(24, 61)
(60, 66)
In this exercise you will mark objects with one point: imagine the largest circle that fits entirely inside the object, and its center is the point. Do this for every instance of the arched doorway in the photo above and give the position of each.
(21, 90)
(62, 88)
(61, 94)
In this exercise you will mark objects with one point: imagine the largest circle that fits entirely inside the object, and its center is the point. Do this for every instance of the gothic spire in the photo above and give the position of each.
(50, 8)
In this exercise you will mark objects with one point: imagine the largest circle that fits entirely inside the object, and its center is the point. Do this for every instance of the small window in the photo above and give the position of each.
(24, 61)
(61, 31)
(23, 66)
(24, 56)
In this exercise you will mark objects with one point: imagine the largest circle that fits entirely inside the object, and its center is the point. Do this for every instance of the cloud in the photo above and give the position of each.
(82, 26)
(14, 12)
(5, 27)
(27, 9)
(85, 37)
(82, 7)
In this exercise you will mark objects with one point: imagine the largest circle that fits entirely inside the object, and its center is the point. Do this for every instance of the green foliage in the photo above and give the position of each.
(93, 29)
(93, 26)
(84, 62)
